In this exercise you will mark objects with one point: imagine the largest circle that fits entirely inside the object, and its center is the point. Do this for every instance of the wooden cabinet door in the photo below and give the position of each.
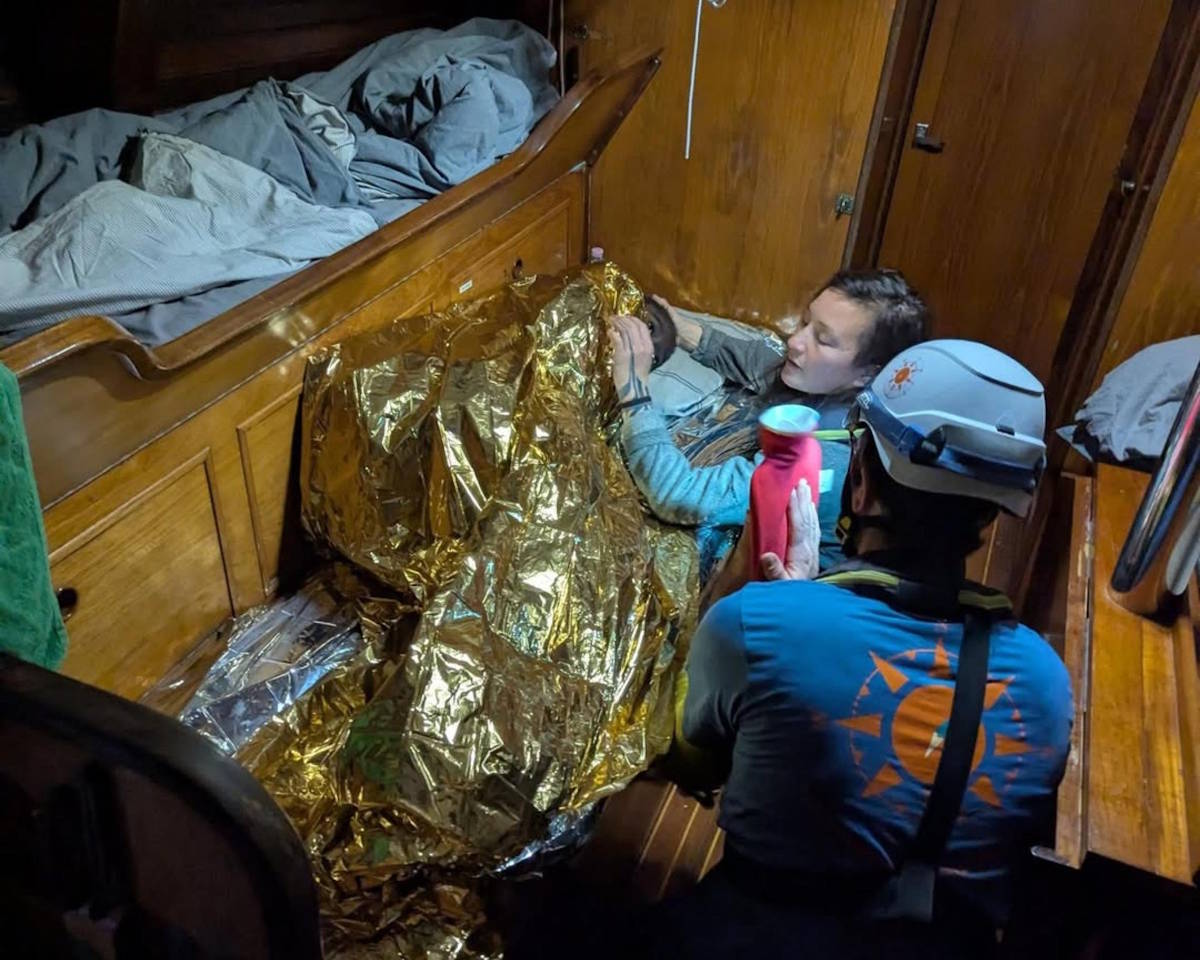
(142, 578)
(1027, 105)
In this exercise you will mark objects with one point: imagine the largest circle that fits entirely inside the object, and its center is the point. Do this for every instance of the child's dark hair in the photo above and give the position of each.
(902, 318)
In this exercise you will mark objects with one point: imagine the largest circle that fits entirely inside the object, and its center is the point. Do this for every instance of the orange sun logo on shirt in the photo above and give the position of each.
(906, 746)
(902, 378)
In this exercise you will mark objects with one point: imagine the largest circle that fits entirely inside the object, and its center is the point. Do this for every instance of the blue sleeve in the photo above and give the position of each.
(716, 677)
(675, 490)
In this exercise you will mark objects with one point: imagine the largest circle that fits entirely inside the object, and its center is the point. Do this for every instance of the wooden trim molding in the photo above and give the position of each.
(78, 538)
(245, 454)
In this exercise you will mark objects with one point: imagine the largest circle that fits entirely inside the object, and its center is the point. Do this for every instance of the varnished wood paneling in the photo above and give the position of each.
(541, 247)
(1141, 776)
(1163, 298)
(170, 52)
(886, 140)
(1033, 102)
(784, 95)
(626, 822)
(1070, 842)
(145, 55)
(58, 56)
(652, 841)
(149, 580)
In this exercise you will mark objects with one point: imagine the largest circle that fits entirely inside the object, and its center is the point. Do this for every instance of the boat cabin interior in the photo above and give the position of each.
(373, 631)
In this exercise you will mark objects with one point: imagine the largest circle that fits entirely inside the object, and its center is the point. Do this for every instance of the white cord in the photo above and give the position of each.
(687, 139)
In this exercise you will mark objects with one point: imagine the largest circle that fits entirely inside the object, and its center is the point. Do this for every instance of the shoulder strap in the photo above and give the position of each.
(910, 892)
(958, 750)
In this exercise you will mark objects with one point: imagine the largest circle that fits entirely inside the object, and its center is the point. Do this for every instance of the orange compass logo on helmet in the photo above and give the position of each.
(902, 378)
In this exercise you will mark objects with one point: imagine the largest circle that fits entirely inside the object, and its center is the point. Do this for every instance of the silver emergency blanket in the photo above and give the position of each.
(520, 621)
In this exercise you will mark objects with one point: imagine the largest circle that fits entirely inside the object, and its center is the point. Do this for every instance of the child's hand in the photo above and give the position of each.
(804, 540)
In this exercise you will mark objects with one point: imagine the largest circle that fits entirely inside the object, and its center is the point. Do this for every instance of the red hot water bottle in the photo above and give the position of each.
(790, 453)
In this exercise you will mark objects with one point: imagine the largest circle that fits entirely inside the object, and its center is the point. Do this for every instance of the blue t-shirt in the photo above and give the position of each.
(833, 708)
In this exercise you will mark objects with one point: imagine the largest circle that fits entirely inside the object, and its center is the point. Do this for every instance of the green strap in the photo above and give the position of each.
(842, 435)
(977, 599)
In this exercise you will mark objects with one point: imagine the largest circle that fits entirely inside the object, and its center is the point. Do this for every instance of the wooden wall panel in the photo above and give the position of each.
(57, 57)
(1140, 772)
(267, 441)
(651, 842)
(1162, 301)
(783, 100)
(201, 47)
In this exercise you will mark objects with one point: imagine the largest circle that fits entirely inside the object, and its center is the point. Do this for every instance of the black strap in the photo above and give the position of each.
(910, 893)
(962, 734)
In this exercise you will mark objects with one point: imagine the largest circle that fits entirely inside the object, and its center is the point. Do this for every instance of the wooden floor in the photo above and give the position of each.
(653, 839)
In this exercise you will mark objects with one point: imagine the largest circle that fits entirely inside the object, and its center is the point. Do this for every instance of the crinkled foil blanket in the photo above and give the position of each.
(498, 653)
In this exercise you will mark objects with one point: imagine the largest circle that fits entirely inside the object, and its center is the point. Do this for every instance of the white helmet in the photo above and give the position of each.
(957, 417)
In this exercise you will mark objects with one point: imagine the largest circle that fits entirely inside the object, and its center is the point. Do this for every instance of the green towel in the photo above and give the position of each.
(30, 625)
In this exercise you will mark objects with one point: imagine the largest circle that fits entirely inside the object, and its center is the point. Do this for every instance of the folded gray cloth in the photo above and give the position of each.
(1128, 418)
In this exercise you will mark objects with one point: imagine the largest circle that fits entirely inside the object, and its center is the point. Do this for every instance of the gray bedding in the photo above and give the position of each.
(162, 222)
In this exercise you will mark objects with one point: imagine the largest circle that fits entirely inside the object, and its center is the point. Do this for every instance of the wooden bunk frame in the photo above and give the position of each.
(167, 474)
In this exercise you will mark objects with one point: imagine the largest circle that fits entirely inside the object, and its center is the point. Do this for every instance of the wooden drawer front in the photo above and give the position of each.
(542, 247)
(149, 583)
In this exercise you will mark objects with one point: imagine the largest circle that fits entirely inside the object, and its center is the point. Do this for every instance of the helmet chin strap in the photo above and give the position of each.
(849, 527)
(850, 524)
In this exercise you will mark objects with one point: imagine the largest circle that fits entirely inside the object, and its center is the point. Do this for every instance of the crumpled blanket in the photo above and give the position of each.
(436, 107)
(299, 132)
(273, 127)
(1128, 418)
(189, 219)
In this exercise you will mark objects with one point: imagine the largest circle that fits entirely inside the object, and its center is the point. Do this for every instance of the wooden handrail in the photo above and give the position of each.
(90, 332)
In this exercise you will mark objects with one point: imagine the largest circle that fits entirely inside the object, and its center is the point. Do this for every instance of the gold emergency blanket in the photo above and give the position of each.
(463, 460)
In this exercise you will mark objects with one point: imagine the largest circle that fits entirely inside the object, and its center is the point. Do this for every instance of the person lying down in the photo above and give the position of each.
(854, 325)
